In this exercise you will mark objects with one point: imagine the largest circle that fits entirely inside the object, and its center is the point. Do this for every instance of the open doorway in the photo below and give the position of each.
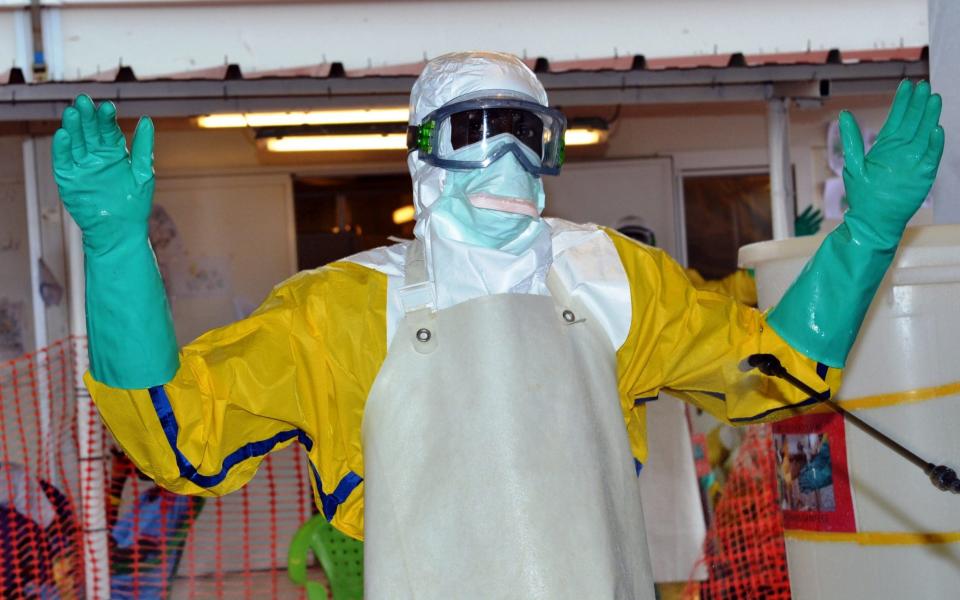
(724, 212)
(340, 216)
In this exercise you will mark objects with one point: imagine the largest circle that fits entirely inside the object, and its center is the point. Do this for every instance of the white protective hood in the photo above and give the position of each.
(462, 271)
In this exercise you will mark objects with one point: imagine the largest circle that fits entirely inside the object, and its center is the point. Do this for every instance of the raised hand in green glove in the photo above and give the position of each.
(886, 187)
(109, 193)
(822, 311)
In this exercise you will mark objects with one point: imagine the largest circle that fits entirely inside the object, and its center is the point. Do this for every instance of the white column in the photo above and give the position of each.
(91, 452)
(781, 172)
(23, 41)
(53, 42)
(35, 251)
(944, 62)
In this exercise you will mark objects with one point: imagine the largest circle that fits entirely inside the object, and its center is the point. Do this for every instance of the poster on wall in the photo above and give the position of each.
(185, 276)
(202, 277)
(834, 194)
(812, 475)
(12, 314)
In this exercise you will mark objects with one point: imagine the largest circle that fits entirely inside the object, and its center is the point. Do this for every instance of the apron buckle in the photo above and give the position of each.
(423, 325)
(418, 296)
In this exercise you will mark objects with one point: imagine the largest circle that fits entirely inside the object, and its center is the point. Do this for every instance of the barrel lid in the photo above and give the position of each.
(921, 246)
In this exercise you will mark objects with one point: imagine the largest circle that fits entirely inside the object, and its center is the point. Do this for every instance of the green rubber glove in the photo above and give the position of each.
(821, 313)
(109, 193)
(808, 222)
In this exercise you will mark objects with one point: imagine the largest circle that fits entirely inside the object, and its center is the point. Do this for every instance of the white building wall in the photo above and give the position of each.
(15, 36)
(944, 59)
(168, 37)
(8, 39)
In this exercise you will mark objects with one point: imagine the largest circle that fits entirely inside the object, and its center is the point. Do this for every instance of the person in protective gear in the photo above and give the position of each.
(468, 400)
(40, 552)
(817, 473)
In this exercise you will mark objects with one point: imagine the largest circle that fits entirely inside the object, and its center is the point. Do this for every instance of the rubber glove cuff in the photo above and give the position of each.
(132, 344)
(822, 311)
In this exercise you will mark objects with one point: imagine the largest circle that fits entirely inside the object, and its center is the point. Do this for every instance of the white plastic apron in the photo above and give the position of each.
(496, 459)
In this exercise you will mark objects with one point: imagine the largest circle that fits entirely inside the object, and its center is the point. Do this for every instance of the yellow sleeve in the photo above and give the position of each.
(693, 343)
(739, 285)
(298, 369)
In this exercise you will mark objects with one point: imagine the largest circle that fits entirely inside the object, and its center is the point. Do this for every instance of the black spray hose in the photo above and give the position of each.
(942, 477)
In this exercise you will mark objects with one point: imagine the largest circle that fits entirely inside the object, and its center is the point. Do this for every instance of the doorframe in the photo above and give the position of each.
(681, 174)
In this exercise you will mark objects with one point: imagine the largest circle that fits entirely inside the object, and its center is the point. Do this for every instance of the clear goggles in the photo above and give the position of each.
(532, 132)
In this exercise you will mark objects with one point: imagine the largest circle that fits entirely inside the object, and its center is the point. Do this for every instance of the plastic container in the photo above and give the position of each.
(903, 377)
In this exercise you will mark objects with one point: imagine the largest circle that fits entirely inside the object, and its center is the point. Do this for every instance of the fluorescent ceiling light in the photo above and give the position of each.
(333, 143)
(578, 136)
(584, 137)
(314, 117)
(404, 214)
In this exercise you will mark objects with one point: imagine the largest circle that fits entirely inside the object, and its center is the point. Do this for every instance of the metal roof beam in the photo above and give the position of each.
(183, 98)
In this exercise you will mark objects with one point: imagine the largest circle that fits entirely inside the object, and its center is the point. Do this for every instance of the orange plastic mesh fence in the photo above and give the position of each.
(78, 520)
(744, 552)
(40, 537)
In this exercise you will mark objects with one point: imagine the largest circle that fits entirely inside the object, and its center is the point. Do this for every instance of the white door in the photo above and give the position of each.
(222, 244)
(616, 193)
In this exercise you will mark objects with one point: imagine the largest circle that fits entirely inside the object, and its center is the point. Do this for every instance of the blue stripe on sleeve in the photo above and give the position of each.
(822, 370)
(645, 399)
(718, 395)
(171, 429)
(330, 502)
(812, 400)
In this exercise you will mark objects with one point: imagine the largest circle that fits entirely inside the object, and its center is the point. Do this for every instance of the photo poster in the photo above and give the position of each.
(12, 336)
(812, 474)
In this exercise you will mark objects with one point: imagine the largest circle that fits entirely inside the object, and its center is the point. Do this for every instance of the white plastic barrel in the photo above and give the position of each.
(904, 375)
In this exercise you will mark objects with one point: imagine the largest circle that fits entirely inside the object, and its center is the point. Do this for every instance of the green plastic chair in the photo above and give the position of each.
(341, 558)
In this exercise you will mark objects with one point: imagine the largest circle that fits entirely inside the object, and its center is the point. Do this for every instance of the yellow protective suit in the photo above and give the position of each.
(739, 285)
(301, 366)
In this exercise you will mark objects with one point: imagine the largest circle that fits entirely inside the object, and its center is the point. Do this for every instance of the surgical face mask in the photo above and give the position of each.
(497, 206)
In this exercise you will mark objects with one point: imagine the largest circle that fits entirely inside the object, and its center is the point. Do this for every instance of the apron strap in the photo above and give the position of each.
(415, 267)
(418, 292)
(570, 309)
(556, 287)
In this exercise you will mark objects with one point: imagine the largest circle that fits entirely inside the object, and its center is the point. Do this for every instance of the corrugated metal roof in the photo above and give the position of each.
(624, 80)
(232, 72)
